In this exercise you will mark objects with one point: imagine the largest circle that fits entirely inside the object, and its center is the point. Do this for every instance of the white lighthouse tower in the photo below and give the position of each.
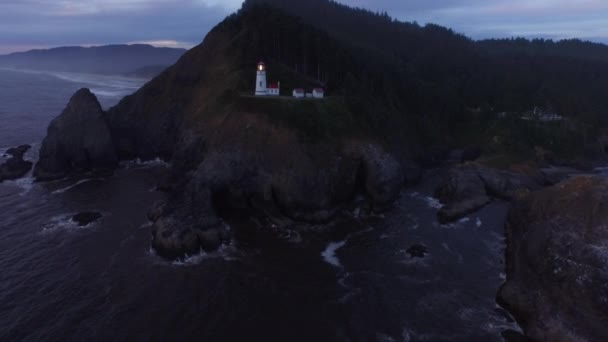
(261, 88)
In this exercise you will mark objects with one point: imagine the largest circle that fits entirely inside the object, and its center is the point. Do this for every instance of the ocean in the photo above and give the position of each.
(351, 281)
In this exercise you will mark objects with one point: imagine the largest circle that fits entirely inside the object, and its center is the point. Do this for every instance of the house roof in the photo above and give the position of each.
(299, 90)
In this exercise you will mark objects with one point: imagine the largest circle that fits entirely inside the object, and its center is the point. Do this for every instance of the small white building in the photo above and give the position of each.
(318, 93)
(274, 89)
(299, 93)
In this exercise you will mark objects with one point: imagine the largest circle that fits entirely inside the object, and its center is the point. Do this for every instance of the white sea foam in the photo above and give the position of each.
(138, 163)
(110, 93)
(26, 184)
(80, 182)
(601, 170)
(226, 252)
(464, 220)
(64, 222)
(329, 254)
(478, 223)
(433, 202)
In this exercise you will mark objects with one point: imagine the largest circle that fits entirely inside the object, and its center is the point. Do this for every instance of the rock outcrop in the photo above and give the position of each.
(557, 261)
(300, 187)
(78, 140)
(85, 218)
(15, 167)
(470, 187)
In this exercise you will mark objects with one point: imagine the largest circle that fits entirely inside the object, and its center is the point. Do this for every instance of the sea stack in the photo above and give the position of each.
(78, 140)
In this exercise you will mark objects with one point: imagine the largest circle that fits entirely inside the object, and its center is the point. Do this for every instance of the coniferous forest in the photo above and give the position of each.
(430, 79)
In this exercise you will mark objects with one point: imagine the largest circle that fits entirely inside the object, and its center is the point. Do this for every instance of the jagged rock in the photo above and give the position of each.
(78, 140)
(461, 208)
(418, 251)
(384, 176)
(86, 218)
(470, 154)
(433, 156)
(412, 172)
(555, 174)
(15, 167)
(187, 224)
(514, 336)
(300, 187)
(470, 187)
(557, 261)
(18, 152)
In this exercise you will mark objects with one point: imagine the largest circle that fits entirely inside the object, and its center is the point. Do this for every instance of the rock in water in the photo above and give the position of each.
(418, 251)
(86, 218)
(557, 261)
(18, 152)
(78, 140)
(470, 187)
(15, 167)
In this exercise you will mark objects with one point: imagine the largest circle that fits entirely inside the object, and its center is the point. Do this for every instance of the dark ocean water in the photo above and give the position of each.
(349, 282)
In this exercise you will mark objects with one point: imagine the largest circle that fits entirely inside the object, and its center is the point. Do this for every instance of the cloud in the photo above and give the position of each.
(587, 19)
(72, 22)
(44, 23)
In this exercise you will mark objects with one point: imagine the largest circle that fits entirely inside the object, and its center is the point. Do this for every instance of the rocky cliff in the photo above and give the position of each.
(78, 140)
(281, 158)
(557, 261)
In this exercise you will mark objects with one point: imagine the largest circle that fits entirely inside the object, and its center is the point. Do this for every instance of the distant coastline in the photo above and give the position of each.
(136, 61)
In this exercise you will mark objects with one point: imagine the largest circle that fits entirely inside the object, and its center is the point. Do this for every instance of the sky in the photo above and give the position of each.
(28, 24)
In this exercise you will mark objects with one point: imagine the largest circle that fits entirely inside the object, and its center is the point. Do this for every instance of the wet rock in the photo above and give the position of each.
(459, 209)
(297, 187)
(470, 187)
(557, 261)
(86, 218)
(15, 167)
(384, 176)
(470, 154)
(18, 152)
(514, 336)
(78, 140)
(185, 225)
(504, 314)
(433, 156)
(555, 174)
(412, 172)
(418, 251)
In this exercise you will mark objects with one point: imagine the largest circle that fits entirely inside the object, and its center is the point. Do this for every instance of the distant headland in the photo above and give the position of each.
(138, 60)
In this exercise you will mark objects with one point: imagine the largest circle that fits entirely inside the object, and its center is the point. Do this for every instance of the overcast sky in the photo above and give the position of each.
(26, 24)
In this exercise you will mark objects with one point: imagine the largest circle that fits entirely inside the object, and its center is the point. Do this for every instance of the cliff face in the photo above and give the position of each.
(281, 158)
(557, 274)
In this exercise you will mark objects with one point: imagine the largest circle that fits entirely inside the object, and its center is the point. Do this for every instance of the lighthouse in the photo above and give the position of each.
(260, 81)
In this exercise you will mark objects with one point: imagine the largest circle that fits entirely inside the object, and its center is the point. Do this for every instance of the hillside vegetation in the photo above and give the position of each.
(423, 81)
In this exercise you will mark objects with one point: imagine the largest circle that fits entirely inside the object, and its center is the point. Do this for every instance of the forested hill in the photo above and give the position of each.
(111, 59)
(572, 48)
(430, 75)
